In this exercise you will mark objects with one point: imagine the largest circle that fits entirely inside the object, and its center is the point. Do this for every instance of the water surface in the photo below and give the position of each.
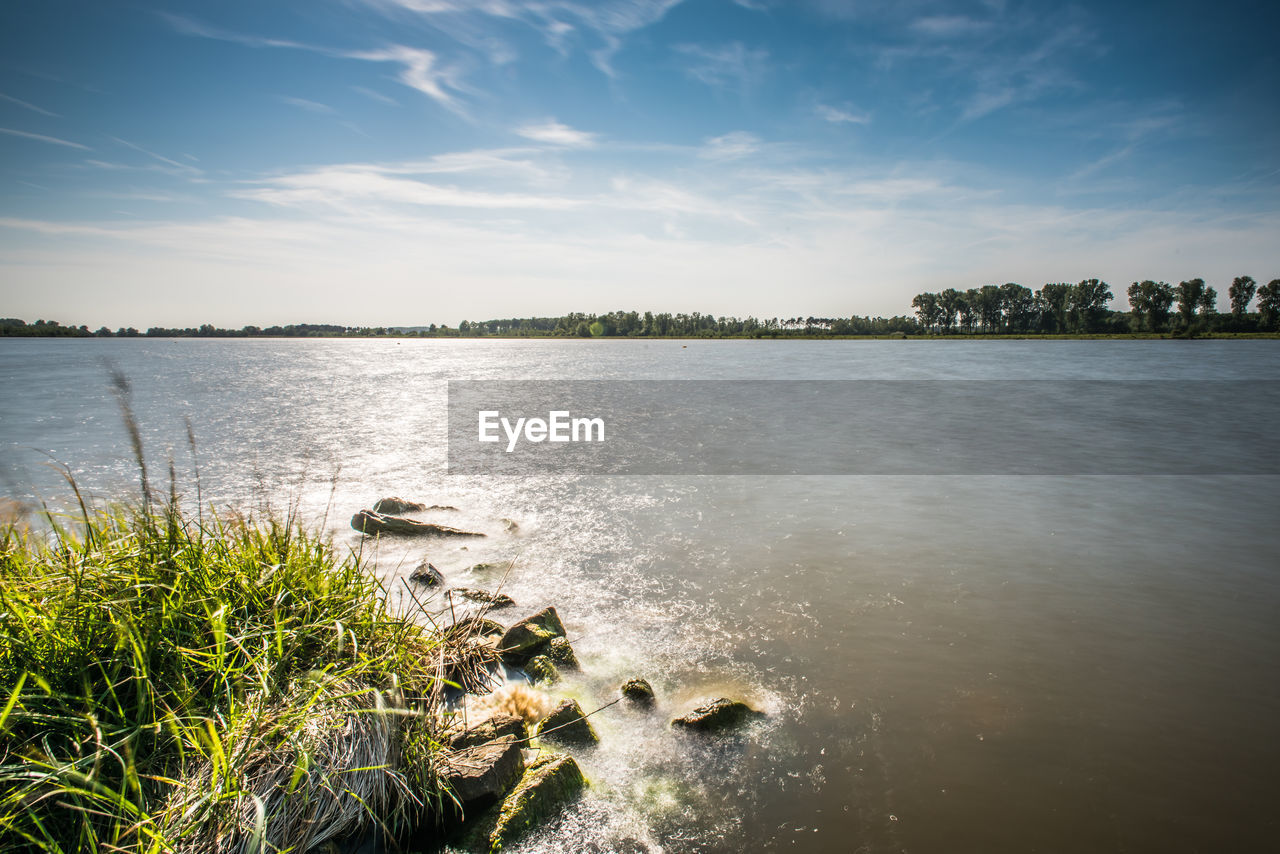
(949, 663)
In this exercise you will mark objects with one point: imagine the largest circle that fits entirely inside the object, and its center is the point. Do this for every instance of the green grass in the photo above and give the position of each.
(173, 685)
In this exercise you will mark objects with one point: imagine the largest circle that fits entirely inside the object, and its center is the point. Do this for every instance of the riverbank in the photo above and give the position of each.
(191, 685)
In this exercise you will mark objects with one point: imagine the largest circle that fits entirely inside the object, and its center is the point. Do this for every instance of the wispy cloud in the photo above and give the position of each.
(376, 96)
(600, 26)
(732, 65)
(181, 168)
(343, 186)
(26, 105)
(731, 146)
(950, 26)
(39, 137)
(553, 132)
(420, 69)
(838, 116)
(304, 104)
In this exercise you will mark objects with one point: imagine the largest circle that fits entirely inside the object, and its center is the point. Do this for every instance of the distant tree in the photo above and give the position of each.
(1240, 293)
(1269, 304)
(1208, 302)
(989, 302)
(949, 302)
(1055, 305)
(1150, 303)
(1087, 304)
(1018, 303)
(928, 309)
(1190, 293)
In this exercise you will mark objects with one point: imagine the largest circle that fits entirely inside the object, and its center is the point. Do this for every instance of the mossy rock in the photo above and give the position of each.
(540, 668)
(549, 783)
(567, 725)
(717, 716)
(561, 652)
(639, 692)
(527, 638)
(489, 730)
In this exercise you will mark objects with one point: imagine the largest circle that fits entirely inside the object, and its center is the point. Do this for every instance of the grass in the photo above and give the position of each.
(227, 684)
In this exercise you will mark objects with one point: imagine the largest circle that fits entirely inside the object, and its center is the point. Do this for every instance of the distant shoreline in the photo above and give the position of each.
(782, 336)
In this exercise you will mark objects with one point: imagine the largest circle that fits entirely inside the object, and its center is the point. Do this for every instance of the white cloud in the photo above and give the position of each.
(39, 137)
(842, 116)
(724, 66)
(309, 106)
(178, 168)
(357, 187)
(27, 105)
(419, 70)
(731, 146)
(553, 132)
(949, 26)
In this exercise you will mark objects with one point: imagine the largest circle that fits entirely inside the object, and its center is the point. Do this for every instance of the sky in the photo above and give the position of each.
(406, 162)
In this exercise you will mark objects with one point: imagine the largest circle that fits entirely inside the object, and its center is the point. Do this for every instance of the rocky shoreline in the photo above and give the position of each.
(509, 767)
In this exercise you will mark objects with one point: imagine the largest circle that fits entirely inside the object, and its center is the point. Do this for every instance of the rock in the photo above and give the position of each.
(542, 669)
(491, 729)
(560, 651)
(566, 724)
(495, 601)
(638, 691)
(526, 638)
(716, 716)
(396, 506)
(510, 526)
(369, 522)
(550, 782)
(485, 567)
(449, 507)
(427, 574)
(481, 626)
(482, 774)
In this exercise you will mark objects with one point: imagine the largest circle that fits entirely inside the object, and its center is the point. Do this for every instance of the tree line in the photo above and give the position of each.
(1190, 308)
(1082, 308)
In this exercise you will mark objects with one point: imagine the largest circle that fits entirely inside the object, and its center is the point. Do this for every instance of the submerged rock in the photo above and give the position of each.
(527, 638)
(370, 522)
(482, 774)
(550, 782)
(427, 574)
(485, 567)
(542, 669)
(510, 525)
(638, 691)
(491, 729)
(561, 652)
(396, 506)
(717, 716)
(567, 725)
(495, 601)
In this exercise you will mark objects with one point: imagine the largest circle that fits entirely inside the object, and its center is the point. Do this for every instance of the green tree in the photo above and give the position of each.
(1055, 304)
(1087, 304)
(1240, 293)
(1190, 293)
(1269, 304)
(1019, 303)
(1150, 303)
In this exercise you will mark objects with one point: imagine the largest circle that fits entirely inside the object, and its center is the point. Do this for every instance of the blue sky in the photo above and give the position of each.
(418, 161)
